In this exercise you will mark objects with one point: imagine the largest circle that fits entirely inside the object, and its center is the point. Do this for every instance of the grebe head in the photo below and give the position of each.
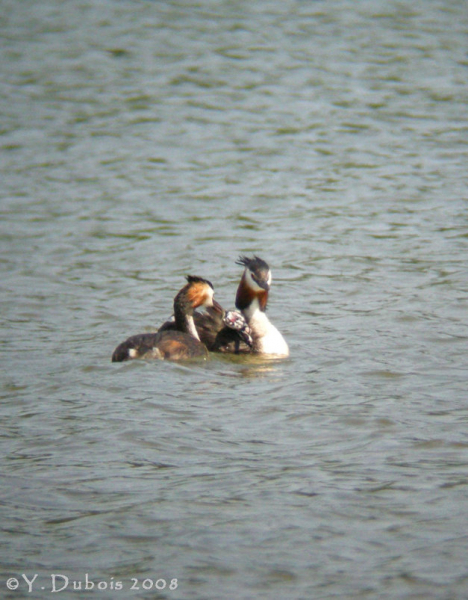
(254, 285)
(197, 293)
(257, 273)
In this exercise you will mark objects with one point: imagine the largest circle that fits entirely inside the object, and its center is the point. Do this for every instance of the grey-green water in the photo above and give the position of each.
(141, 141)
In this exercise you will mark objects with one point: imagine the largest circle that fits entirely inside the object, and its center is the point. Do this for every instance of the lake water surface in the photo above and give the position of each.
(142, 141)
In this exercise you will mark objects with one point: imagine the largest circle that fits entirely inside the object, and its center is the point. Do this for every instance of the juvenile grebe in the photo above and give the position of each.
(258, 335)
(182, 340)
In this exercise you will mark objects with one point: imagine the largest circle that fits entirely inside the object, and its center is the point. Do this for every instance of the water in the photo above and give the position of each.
(141, 141)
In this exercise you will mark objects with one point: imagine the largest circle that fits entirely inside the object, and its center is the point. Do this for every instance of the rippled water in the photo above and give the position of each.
(141, 141)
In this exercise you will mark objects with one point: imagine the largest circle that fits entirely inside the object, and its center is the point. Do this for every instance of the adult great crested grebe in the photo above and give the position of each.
(251, 332)
(182, 341)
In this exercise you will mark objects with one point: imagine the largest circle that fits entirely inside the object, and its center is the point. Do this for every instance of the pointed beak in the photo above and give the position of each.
(264, 285)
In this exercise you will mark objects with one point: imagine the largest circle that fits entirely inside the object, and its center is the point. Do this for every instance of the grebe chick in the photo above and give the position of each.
(258, 335)
(180, 342)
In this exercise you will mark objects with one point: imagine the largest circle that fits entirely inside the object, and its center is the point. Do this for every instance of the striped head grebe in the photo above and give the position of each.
(249, 331)
(181, 341)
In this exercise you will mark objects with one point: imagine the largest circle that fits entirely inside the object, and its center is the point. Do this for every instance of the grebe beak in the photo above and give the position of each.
(217, 307)
(264, 285)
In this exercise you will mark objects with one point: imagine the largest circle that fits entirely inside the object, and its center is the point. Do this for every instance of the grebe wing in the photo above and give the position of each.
(168, 344)
(177, 345)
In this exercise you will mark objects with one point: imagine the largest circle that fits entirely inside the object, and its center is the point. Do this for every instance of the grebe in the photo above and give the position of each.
(182, 340)
(252, 331)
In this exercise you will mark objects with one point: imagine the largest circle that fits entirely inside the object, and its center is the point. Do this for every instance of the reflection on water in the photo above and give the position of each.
(141, 142)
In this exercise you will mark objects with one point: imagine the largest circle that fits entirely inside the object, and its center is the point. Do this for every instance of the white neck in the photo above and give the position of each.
(191, 329)
(266, 338)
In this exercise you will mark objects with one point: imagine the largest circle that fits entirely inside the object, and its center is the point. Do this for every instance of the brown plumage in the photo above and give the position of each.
(179, 342)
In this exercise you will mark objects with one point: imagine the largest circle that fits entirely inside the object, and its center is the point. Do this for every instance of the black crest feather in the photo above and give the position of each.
(195, 279)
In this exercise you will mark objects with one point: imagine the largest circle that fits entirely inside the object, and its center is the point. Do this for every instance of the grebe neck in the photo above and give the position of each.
(190, 327)
(249, 299)
(251, 310)
(184, 320)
